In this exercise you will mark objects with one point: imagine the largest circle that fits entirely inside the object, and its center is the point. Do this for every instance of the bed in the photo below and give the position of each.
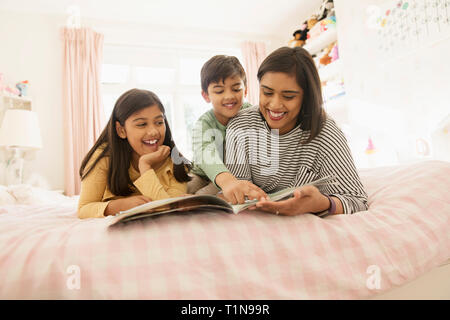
(46, 252)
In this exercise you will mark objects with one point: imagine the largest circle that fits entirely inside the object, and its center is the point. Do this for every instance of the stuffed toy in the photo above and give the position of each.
(296, 42)
(334, 53)
(326, 58)
(327, 23)
(12, 91)
(304, 29)
(313, 27)
(299, 37)
(22, 86)
(326, 9)
(311, 22)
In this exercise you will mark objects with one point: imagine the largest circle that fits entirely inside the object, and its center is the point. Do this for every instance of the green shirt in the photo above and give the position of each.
(208, 142)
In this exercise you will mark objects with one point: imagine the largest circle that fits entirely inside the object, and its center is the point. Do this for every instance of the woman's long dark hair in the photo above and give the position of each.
(119, 150)
(299, 63)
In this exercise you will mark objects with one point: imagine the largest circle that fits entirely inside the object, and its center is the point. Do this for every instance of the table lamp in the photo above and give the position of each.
(19, 132)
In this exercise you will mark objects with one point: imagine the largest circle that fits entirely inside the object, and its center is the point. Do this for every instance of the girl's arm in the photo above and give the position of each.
(168, 187)
(93, 186)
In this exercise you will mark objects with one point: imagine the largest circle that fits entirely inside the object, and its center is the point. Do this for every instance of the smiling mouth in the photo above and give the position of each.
(276, 116)
(229, 105)
(151, 143)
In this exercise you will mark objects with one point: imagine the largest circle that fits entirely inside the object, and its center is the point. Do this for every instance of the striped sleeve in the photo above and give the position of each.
(338, 161)
(236, 151)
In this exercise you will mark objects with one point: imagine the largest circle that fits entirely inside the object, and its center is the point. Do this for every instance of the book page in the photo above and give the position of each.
(172, 204)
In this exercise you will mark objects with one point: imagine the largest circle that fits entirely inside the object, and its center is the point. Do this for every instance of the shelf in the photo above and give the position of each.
(15, 102)
(331, 71)
(335, 97)
(321, 41)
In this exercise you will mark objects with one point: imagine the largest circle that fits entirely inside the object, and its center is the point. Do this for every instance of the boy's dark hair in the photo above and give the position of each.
(119, 150)
(220, 67)
(299, 63)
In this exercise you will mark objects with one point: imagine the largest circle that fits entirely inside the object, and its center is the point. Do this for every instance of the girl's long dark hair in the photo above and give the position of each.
(119, 150)
(299, 63)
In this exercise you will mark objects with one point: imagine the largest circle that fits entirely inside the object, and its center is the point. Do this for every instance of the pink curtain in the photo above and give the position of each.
(83, 108)
(253, 54)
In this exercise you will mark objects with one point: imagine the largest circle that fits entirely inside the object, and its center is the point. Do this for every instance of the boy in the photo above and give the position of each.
(224, 85)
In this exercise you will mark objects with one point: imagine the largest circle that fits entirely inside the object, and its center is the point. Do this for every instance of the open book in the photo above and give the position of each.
(192, 202)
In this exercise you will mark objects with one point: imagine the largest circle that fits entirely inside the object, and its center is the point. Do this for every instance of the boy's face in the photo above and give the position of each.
(226, 97)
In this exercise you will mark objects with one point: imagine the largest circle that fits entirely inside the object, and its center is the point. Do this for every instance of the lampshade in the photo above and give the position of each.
(20, 128)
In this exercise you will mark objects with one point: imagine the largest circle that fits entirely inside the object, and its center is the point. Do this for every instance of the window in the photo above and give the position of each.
(155, 76)
(172, 74)
(115, 73)
(190, 70)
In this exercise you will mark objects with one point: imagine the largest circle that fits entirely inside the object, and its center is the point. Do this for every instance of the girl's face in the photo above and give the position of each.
(280, 100)
(145, 130)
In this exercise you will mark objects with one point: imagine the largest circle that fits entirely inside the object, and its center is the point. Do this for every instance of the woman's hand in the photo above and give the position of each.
(115, 206)
(306, 199)
(149, 160)
(235, 191)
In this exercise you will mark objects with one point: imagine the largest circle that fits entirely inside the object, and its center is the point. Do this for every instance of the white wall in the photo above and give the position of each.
(30, 50)
(399, 95)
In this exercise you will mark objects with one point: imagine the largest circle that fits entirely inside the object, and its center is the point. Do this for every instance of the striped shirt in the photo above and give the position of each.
(274, 162)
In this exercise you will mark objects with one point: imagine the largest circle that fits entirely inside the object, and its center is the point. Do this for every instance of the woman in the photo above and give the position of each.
(289, 141)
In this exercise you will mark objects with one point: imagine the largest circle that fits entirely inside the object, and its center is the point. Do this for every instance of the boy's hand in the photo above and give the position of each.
(147, 161)
(235, 190)
(115, 206)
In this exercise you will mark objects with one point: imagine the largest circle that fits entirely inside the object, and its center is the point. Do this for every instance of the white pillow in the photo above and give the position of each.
(5, 197)
(26, 194)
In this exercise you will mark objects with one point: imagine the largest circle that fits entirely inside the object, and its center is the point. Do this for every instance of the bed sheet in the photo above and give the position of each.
(46, 252)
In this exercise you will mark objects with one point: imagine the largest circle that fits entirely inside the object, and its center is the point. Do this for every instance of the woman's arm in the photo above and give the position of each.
(236, 153)
(306, 199)
(337, 160)
(348, 193)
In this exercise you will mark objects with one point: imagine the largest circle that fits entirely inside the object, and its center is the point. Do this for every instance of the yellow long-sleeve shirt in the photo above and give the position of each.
(156, 184)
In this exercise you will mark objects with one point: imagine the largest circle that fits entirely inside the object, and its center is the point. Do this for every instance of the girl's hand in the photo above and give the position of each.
(149, 160)
(115, 206)
(306, 199)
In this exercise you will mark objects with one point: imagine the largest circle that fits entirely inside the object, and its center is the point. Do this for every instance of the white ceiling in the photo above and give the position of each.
(267, 17)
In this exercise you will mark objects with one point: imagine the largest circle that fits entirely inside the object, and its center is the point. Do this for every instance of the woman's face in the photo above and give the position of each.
(145, 130)
(280, 100)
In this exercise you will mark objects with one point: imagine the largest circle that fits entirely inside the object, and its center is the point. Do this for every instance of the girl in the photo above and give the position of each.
(289, 140)
(130, 164)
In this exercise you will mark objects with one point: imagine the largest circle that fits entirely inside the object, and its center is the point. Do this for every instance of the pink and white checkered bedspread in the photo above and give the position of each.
(47, 253)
